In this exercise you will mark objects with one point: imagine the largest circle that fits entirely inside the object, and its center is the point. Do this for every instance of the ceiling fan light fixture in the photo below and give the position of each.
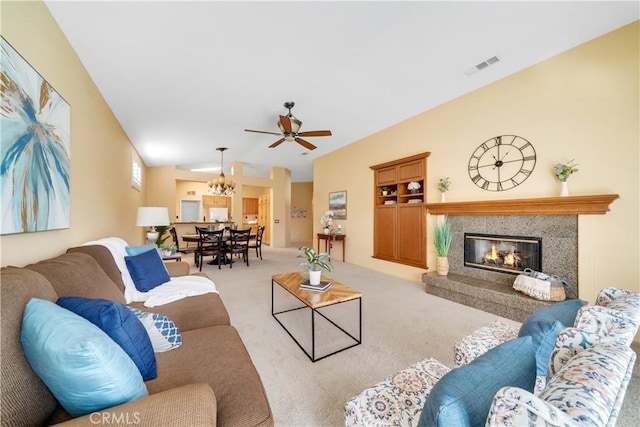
(221, 186)
(295, 124)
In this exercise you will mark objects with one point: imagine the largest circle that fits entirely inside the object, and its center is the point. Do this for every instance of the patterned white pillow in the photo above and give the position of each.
(163, 332)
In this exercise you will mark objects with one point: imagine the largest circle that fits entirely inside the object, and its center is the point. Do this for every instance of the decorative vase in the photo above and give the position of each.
(564, 191)
(443, 198)
(326, 230)
(442, 265)
(314, 277)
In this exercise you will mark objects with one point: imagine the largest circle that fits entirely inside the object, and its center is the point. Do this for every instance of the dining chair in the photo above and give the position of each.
(257, 242)
(239, 245)
(211, 243)
(174, 236)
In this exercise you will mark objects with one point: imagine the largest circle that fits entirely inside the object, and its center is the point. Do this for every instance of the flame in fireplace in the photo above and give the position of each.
(508, 259)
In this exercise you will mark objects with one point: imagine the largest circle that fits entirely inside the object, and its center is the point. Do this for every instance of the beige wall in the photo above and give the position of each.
(102, 200)
(582, 104)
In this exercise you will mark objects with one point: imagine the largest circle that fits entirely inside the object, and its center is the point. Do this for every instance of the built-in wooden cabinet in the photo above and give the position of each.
(264, 216)
(217, 202)
(250, 206)
(399, 219)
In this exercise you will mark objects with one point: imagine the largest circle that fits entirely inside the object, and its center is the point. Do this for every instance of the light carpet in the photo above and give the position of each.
(402, 324)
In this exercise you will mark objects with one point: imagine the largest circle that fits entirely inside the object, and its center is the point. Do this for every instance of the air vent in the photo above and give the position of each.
(481, 66)
(191, 193)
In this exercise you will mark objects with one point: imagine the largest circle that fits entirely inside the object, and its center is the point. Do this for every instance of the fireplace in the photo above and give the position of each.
(501, 253)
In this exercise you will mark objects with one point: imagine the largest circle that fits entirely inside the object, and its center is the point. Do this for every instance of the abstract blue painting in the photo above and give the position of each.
(35, 127)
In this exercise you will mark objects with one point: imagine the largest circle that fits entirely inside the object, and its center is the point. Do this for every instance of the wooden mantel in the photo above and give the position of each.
(571, 205)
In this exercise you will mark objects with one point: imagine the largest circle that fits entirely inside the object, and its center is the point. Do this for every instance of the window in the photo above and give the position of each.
(136, 173)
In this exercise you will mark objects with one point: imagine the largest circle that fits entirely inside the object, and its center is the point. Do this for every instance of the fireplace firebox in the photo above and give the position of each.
(505, 254)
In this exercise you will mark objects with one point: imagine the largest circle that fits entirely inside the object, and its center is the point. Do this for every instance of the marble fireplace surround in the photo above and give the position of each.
(555, 219)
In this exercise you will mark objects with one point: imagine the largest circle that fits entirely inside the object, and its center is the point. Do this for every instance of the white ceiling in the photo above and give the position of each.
(184, 78)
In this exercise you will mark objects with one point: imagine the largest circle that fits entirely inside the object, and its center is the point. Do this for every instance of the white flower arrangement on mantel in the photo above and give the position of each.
(414, 187)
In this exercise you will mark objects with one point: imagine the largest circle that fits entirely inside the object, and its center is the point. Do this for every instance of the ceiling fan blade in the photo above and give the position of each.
(278, 142)
(286, 123)
(262, 131)
(305, 144)
(316, 133)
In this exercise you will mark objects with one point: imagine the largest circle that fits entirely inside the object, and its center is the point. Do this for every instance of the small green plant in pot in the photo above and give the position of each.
(314, 263)
(442, 236)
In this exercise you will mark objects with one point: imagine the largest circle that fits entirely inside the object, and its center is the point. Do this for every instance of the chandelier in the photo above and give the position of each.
(220, 186)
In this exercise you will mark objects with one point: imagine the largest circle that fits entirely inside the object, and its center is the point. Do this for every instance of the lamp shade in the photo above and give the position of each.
(152, 216)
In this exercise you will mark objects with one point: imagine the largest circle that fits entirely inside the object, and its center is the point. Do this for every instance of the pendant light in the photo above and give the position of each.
(221, 186)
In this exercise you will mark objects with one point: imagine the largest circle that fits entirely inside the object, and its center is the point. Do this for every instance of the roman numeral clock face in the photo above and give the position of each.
(502, 163)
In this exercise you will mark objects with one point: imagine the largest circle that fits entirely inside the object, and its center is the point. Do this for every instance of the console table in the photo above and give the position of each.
(329, 238)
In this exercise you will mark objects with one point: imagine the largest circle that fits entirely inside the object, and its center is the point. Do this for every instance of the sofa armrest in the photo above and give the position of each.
(177, 269)
(513, 406)
(188, 405)
(482, 340)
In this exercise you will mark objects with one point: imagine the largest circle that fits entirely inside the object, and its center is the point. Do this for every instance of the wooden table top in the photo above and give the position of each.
(335, 294)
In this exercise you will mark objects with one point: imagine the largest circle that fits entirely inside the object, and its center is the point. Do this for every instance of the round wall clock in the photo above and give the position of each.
(502, 163)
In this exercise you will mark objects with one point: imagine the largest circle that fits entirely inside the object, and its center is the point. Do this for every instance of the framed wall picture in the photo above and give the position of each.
(338, 204)
(35, 149)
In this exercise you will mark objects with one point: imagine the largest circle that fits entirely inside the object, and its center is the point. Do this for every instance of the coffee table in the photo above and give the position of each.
(314, 301)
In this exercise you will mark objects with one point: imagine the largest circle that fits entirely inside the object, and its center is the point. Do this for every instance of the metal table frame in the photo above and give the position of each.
(312, 356)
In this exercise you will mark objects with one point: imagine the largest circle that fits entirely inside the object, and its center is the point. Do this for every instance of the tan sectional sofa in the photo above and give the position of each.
(210, 380)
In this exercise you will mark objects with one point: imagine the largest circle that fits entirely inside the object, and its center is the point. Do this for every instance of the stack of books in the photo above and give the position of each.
(323, 286)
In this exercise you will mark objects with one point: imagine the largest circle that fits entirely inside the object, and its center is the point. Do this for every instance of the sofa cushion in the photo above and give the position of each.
(591, 385)
(217, 356)
(544, 326)
(162, 331)
(463, 396)
(78, 274)
(86, 370)
(26, 400)
(147, 270)
(121, 325)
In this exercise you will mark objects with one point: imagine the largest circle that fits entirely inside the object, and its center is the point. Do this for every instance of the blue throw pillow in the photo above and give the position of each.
(463, 396)
(544, 326)
(121, 325)
(147, 270)
(137, 250)
(163, 332)
(84, 368)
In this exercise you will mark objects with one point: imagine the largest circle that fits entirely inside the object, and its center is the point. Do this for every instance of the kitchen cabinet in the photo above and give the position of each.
(250, 206)
(399, 216)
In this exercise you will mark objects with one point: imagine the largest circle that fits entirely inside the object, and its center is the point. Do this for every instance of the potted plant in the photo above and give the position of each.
(442, 236)
(384, 190)
(414, 187)
(443, 186)
(563, 171)
(314, 262)
(169, 249)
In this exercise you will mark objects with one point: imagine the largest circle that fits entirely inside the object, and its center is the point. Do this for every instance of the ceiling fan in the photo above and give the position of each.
(289, 129)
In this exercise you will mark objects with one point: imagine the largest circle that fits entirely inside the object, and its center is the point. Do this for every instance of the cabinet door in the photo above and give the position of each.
(384, 236)
(386, 176)
(411, 171)
(411, 235)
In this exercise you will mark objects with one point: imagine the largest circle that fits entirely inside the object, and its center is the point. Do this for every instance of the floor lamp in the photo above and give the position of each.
(152, 217)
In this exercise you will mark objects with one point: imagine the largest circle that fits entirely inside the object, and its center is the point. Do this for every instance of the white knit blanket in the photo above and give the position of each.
(175, 289)
(540, 289)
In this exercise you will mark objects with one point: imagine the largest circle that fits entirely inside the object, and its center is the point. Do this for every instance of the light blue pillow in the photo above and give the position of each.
(544, 326)
(84, 368)
(137, 250)
(147, 270)
(463, 396)
(122, 326)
